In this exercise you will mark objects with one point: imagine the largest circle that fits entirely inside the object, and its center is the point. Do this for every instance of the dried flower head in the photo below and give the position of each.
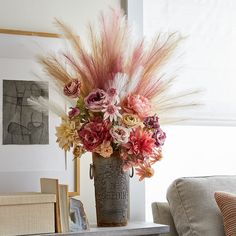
(72, 89)
(144, 171)
(78, 151)
(111, 112)
(152, 122)
(96, 100)
(75, 111)
(140, 143)
(131, 120)
(105, 149)
(66, 134)
(139, 105)
(120, 134)
(94, 133)
(159, 136)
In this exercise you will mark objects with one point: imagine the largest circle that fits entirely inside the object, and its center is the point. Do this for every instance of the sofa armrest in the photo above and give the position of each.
(161, 215)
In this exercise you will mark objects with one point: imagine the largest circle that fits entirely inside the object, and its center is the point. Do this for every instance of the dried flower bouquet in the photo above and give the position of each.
(119, 93)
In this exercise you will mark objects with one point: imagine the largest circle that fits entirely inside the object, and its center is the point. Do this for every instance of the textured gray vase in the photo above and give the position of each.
(111, 190)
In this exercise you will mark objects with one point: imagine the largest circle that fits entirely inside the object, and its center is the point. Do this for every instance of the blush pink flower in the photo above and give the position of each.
(72, 89)
(138, 104)
(113, 95)
(94, 133)
(140, 143)
(96, 100)
(111, 111)
(120, 134)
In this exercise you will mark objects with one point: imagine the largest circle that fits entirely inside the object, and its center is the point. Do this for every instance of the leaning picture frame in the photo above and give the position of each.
(23, 164)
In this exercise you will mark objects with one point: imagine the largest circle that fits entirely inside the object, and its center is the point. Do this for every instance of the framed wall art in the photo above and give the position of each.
(28, 143)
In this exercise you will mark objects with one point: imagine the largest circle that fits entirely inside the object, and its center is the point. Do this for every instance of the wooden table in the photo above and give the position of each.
(132, 229)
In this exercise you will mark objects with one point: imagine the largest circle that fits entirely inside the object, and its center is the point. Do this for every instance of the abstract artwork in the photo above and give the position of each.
(21, 123)
(79, 219)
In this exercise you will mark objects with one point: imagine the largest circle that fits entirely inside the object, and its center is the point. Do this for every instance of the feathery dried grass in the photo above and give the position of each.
(112, 51)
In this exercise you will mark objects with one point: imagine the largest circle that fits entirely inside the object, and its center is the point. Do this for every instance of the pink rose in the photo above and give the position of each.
(96, 100)
(139, 105)
(120, 134)
(75, 111)
(159, 136)
(94, 133)
(72, 89)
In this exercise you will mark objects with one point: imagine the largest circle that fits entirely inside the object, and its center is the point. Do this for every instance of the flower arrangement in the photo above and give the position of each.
(117, 92)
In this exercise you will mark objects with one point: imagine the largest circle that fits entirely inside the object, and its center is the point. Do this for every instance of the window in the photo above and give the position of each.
(208, 59)
(208, 62)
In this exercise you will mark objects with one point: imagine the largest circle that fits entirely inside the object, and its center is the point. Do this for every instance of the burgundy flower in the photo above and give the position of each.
(94, 133)
(96, 100)
(75, 111)
(159, 136)
(152, 122)
(72, 89)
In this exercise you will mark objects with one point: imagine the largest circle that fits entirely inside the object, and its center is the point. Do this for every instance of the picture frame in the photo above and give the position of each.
(24, 165)
(79, 220)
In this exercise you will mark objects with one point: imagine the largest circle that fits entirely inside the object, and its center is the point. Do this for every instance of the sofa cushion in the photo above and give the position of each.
(227, 205)
(193, 206)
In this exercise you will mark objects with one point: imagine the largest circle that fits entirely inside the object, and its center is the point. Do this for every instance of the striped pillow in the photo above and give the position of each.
(227, 205)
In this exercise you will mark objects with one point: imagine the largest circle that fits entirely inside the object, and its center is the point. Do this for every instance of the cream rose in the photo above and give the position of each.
(131, 120)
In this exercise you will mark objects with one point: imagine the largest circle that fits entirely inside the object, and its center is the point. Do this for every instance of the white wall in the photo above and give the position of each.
(35, 15)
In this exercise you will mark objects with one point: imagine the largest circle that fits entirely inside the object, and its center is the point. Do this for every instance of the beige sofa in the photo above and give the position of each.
(191, 209)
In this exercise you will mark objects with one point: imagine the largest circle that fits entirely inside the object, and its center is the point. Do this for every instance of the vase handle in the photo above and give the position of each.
(132, 172)
(91, 171)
